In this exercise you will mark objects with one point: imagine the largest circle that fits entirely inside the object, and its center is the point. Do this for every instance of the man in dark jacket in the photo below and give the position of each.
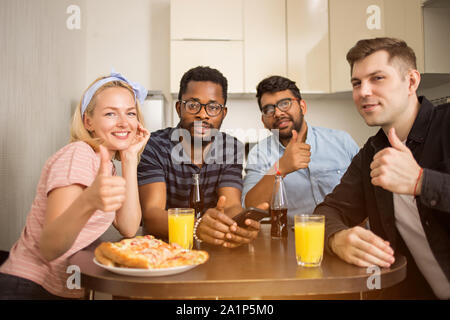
(400, 179)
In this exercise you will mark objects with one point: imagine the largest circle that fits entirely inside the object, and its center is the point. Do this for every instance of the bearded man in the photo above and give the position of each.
(312, 159)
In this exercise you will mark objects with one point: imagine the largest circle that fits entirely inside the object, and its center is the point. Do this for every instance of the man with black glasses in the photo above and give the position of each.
(172, 155)
(312, 159)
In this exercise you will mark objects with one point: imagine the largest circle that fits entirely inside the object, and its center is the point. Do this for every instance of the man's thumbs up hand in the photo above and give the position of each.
(294, 137)
(395, 169)
(296, 156)
(395, 141)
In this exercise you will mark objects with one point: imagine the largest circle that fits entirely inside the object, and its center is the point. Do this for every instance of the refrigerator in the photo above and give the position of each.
(153, 110)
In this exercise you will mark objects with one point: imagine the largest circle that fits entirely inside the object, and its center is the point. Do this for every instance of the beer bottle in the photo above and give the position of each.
(278, 209)
(196, 197)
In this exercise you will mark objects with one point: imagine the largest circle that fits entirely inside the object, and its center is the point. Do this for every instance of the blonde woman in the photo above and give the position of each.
(79, 195)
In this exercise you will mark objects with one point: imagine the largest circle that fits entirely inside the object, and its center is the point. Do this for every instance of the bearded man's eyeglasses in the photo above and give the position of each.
(283, 105)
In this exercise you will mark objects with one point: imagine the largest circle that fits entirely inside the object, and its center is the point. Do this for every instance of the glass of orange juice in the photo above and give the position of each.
(309, 239)
(181, 227)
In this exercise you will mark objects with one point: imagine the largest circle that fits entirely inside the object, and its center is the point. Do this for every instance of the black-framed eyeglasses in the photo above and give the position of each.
(282, 105)
(213, 109)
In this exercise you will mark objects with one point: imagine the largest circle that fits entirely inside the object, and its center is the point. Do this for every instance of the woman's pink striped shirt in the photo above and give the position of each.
(76, 163)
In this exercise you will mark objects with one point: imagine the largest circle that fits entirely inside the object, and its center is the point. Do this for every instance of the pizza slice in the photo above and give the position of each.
(140, 252)
(148, 253)
(103, 259)
(186, 258)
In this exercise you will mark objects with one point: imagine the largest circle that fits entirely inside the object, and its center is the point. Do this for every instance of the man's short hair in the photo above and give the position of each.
(275, 84)
(201, 73)
(396, 48)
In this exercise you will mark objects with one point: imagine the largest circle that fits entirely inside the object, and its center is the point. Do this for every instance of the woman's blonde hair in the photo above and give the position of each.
(78, 131)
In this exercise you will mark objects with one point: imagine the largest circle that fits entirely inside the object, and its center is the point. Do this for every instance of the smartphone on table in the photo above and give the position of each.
(250, 213)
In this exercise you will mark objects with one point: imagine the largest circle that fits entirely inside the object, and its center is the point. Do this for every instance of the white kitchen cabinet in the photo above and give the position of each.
(308, 52)
(259, 23)
(226, 56)
(352, 20)
(437, 39)
(404, 20)
(305, 40)
(264, 41)
(206, 19)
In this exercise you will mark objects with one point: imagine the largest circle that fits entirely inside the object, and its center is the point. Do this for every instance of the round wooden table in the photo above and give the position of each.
(265, 268)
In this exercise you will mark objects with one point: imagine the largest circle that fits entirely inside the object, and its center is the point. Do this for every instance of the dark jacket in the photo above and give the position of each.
(355, 198)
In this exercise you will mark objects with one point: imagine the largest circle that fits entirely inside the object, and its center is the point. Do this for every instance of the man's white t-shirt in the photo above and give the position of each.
(407, 221)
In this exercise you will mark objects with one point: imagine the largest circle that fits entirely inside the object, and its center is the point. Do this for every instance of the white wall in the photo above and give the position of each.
(118, 35)
(133, 37)
(42, 65)
(243, 120)
(160, 53)
(46, 67)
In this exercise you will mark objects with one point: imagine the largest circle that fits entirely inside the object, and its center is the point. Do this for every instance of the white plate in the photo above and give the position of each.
(146, 272)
